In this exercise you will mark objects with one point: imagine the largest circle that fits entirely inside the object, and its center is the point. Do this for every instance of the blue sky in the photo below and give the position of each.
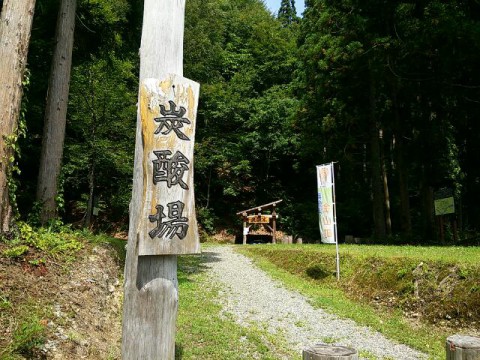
(274, 5)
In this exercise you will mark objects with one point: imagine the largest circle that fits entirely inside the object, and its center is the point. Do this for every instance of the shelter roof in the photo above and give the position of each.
(260, 207)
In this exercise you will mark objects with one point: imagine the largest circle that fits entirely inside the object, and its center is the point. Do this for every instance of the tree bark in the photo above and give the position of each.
(402, 170)
(376, 168)
(91, 169)
(15, 26)
(428, 209)
(386, 192)
(91, 193)
(56, 111)
(151, 285)
(388, 218)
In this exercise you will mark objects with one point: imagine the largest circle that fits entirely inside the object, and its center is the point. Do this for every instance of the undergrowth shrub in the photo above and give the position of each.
(15, 251)
(53, 240)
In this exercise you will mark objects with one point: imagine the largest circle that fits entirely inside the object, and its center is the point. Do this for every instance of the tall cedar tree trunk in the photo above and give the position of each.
(91, 176)
(402, 170)
(15, 25)
(376, 168)
(427, 178)
(56, 111)
(428, 210)
(388, 217)
(91, 193)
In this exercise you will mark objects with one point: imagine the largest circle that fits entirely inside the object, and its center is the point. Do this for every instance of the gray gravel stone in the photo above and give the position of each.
(254, 298)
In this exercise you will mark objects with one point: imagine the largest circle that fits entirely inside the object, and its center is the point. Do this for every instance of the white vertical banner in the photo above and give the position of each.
(326, 203)
(327, 208)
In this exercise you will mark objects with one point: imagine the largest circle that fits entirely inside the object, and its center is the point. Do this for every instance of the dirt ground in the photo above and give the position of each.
(80, 304)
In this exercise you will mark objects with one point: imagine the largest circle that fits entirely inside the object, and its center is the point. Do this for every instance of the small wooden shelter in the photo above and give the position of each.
(264, 215)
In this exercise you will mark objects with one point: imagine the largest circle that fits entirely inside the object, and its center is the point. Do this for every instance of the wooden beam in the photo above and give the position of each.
(261, 207)
(274, 225)
(268, 227)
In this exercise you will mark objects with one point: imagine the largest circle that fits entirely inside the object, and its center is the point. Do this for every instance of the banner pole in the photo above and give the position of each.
(335, 221)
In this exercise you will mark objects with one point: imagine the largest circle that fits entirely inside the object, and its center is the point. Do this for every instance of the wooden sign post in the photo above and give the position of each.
(162, 211)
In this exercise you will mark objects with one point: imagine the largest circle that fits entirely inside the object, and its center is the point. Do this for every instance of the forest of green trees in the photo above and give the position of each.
(389, 90)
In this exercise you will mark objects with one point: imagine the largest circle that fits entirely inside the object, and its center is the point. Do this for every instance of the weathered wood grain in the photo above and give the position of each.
(173, 184)
(15, 25)
(329, 352)
(151, 286)
(462, 347)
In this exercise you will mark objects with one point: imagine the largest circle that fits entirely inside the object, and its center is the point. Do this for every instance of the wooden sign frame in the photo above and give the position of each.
(259, 219)
(168, 110)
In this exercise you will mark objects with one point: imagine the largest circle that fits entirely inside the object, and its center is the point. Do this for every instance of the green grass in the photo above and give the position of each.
(119, 245)
(29, 332)
(29, 335)
(447, 254)
(367, 355)
(282, 265)
(62, 243)
(205, 332)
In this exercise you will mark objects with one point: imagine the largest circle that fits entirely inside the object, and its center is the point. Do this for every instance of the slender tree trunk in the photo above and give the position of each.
(428, 143)
(402, 170)
(428, 210)
(388, 218)
(376, 168)
(91, 193)
(56, 111)
(402, 173)
(15, 26)
(91, 167)
(208, 187)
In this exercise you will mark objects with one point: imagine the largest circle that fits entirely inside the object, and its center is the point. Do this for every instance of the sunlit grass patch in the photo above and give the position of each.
(205, 331)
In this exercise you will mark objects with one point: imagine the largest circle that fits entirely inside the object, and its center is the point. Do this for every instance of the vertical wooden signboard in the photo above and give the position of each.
(168, 112)
(162, 212)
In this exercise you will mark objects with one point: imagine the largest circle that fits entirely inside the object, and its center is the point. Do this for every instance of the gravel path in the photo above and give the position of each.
(253, 297)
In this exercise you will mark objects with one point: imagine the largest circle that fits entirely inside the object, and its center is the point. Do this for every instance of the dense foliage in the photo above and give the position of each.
(394, 92)
(389, 90)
